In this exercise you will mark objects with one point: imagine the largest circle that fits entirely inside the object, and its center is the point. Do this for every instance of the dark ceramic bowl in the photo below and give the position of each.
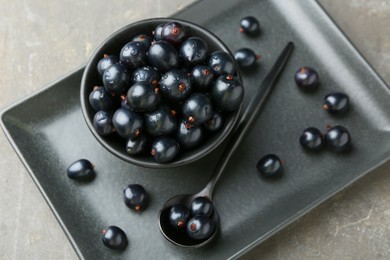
(115, 144)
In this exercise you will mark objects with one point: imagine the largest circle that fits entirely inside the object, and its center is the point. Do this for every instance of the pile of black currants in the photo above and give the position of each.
(195, 222)
(165, 92)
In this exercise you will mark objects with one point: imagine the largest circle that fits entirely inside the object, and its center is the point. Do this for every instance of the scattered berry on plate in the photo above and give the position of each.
(250, 26)
(306, 78)
(338, 139)
(82, 170)
(336, 103)
(270, 166)
(114, 238)
(246, 57)
(135, 197)
(312, 139)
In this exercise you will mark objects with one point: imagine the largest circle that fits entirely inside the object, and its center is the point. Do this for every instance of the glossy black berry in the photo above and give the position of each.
(135, 197)
(173, 32)
(179, 215)
(270, 166)
(163, 56)
(82, 170)
(215, 123)
(106, 62)
(197, 109)
(143, 96)
(102, 122)
(250, 26)
(165, 149)
(175, 84)
(100, 99)
(137, 145)
(146, 74)
(307, 78)
(161, 121)
(114, 238)
(200, 227)
(193, 51)
(312, 139)
(338, 139)
(336, 103)
(128, 124)
(202, 77)
(157, 32)
(189, 136)
(221, 63)
(134, 54)
(227, 93)
(246, 57)
(202, 206)
(144, 39)
(116, 79)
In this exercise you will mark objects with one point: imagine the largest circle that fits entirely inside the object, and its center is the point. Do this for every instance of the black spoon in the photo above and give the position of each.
(180, 238)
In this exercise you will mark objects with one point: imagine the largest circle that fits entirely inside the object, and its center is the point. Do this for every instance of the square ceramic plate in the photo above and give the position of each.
(48, 132)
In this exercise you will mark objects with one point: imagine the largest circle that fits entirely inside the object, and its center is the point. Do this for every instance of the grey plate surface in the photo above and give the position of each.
(48, 132)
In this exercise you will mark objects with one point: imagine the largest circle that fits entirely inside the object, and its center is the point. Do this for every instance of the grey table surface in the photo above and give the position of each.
(42, 40)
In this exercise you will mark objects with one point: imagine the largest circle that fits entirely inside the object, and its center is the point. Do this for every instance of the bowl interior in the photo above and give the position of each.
(113, 45)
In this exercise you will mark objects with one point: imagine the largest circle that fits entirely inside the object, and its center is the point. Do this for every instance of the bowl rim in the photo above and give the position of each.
(181, 161)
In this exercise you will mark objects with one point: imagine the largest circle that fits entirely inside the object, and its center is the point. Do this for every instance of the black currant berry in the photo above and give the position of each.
(307, 78)
(146, 74)
(116, 79)
(175, 84)
(134, 54)
(246, 57)
(250, 26)
(142, 96)
(144, 39)
(127, 124)
(173, 32)
(102, 122)
(100, 99)
(221, 63)
(106, 62)
(82, 170)
(179, 215)
(135, 197)
(163, 56)
(200, 227)
(137, 145)
(189, 136)
(114, 238)
(312, 139)
(338, 139)
(270, 166)
(336, 103)
(202, 206)
(227, 93)
(165, 149)
(215, 122)
(157, 32)
(193, 51)
(202, 77)
(197, 109)
(161, 121)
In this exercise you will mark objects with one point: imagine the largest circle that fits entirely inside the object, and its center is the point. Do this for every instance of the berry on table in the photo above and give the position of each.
(270, 166)
(114, 238)
(250, 26)
(135, 197)
(82, 170)
(338, 139)
(312, 139)
(306, 78)
(336, 103)
(246, 57)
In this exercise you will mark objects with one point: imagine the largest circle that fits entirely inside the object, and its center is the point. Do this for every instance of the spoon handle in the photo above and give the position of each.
(248, 117)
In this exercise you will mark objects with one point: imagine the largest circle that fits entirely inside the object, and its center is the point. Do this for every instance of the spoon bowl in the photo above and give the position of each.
(179, 237)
